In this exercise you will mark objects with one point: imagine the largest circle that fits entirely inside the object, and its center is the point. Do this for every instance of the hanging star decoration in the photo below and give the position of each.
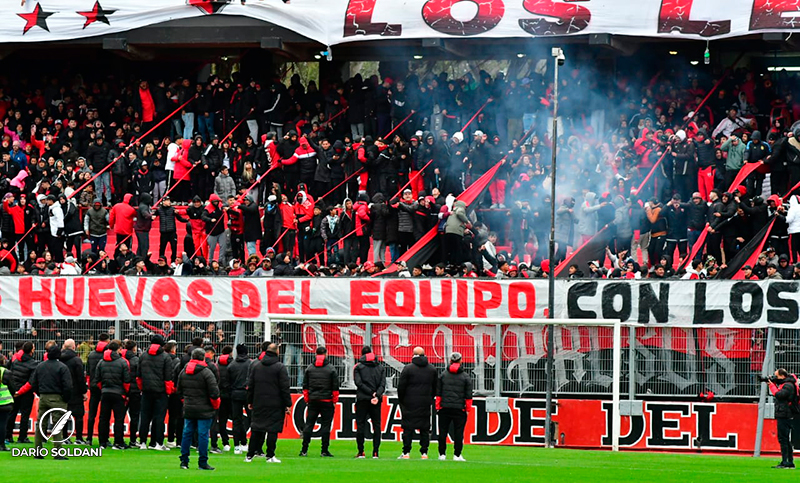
(96, 14)
(209, 7)
(37, 18)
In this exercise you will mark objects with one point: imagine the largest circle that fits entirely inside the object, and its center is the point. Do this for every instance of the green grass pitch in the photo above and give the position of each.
(484, 464)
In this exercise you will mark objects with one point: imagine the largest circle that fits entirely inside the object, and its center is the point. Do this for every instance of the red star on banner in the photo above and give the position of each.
(37, 18)
(207, 6)
(97, 14)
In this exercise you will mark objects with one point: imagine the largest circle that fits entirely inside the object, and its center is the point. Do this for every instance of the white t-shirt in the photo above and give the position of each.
(172, 150)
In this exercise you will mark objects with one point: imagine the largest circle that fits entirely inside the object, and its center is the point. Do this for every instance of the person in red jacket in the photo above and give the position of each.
(181, 187)
(289, 224)
(304, 213)
(121, 221)
(195, 215)
(361, 209)
(17, 212)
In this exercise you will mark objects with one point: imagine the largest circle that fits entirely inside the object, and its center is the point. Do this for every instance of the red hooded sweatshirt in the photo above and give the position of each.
(181, 159)
(17, 213)
(122, 216)
(304, 210)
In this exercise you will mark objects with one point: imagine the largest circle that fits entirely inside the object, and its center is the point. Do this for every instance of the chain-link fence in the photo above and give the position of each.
(668, 362)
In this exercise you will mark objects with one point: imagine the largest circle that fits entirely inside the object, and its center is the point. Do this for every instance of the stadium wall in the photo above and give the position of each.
(579, 423)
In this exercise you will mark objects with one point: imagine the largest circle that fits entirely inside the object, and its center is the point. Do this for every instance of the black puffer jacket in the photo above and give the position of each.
(369, 378)
(92, 360)
(23, 370)
(238, 372)
(224, 378)
(785, 394)
(198, 387)
(52, 377)
(155, 370)
(379, 213)
(415, 391)
(268, 392)
(75, 366)
(133, 366)
(321, 383)
(455, 388)
(113, 374)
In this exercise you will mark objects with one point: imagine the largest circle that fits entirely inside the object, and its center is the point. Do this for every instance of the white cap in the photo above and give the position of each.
(478, 133)
(681, 134)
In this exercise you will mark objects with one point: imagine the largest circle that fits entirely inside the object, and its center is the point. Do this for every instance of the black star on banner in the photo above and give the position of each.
(208, 7)
(37, 18)
(96, 14)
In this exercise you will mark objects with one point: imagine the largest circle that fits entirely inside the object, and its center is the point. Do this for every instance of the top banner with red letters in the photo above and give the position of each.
(673, 303)
(337, 21)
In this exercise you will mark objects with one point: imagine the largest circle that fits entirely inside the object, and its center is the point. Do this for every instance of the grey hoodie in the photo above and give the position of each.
(224, 186)
(622, 217)
(457, 221)
(587, 215)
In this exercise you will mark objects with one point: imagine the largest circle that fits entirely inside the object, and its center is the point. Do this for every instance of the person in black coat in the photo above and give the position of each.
(23, 368)
(269, 399)
(783, 387)
(95, 394)
(370, 384)
(453, 404)
(223, 363)
(52, 382)
(114, 379)
(131, 354)
(200, 391)
(6, 406)
(321, 393)
(75, 404)
(154, 380)
(238, 372)
(415, 392)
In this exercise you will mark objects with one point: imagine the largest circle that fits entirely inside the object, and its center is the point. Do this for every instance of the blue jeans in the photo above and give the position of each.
(177, 129)
(98, 243)
(251, 248)
(202, 427)
(188, 125)
(100, 183)
(294, 353)
(205, 124)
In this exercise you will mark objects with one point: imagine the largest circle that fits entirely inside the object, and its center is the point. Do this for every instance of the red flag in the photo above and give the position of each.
(425, 246)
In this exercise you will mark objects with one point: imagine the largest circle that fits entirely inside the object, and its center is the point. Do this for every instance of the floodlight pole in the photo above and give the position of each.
(558, 58)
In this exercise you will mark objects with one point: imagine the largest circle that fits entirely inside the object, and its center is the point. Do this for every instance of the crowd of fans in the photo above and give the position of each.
(274, 179)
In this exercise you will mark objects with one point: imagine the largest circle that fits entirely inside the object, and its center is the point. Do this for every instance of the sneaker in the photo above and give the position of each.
(60, 458)
(442, 457)
(171, 444)
(360, 456)
(227, 447)
(80, 442)
(303, 454)
(142, 446)
(326, 454)
(375, 455)
(273, 460)
(24, 441)
(184, 466)
(118, 446)
(207, 467)
(404, 456)
(4, 448)
(215, 450)
(160, 447)
(237, 450)
(38, 457)
(248, 459)
(458, 458)
(424, 456)
(243, 448)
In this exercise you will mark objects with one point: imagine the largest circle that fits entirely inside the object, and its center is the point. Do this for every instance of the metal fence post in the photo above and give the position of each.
(237, 337)
(769, 354)
(118, 329)
(498, 359)
(368, 334)
(631, 363)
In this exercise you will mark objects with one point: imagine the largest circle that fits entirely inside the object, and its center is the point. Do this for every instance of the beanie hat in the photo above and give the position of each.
(157, 339)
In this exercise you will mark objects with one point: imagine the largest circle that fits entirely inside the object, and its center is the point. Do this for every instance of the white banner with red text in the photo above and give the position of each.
(337, 21)
(674, 303)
